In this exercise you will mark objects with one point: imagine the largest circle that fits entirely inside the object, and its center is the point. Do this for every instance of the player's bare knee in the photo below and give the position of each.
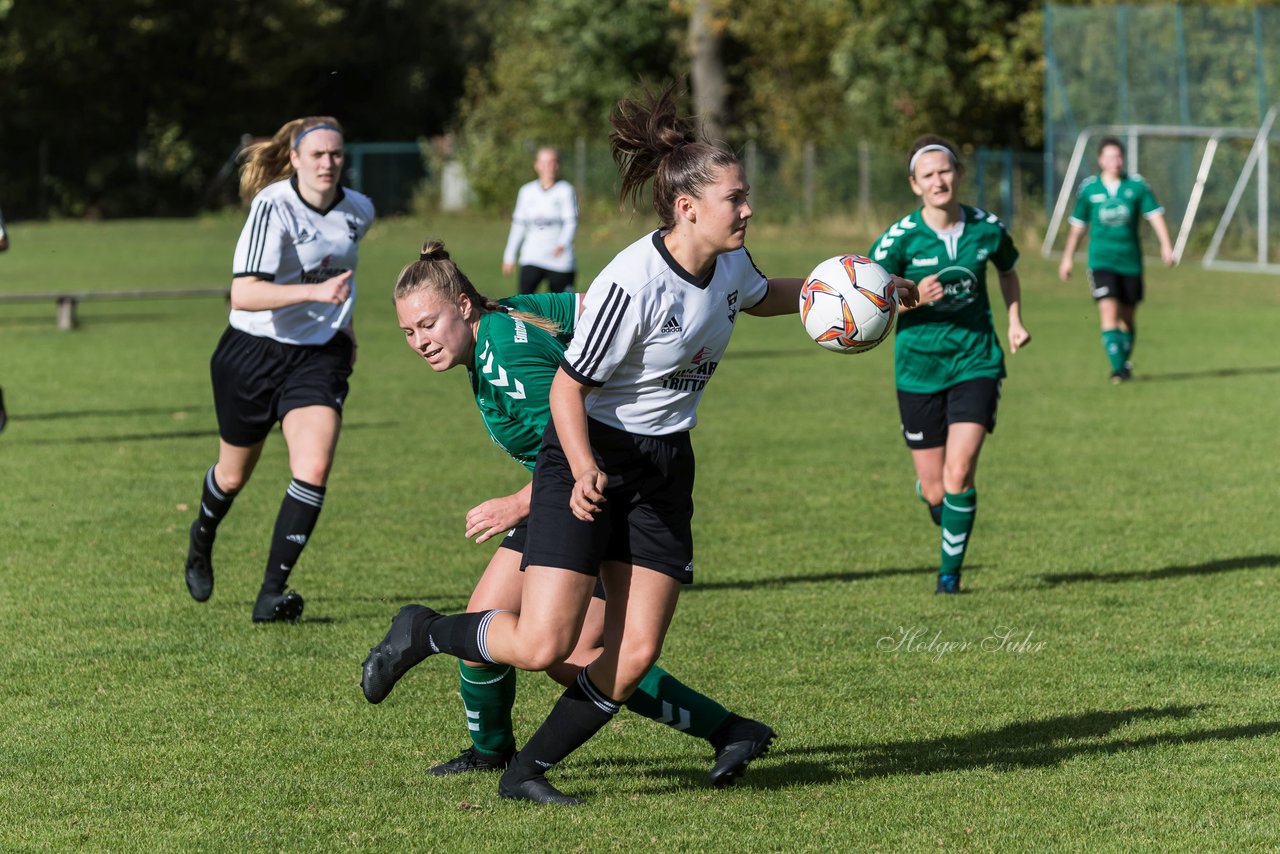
(545, 653)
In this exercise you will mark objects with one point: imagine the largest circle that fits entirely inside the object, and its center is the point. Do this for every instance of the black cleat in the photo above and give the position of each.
(535, 789)
(199, 569)
(472, 760)
(283, 607)
(737, 742)
(948, 584)
(395, 655)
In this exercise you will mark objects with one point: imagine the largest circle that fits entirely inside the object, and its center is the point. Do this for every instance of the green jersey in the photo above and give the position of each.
(1112, 217)
(512, 370)
(938, 346)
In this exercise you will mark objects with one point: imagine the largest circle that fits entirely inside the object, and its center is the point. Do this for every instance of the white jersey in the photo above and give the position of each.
(543, 220)
(651, 335)
(287, 241)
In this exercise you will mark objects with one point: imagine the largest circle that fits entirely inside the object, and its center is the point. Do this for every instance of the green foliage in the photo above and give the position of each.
(558, 67)
(1128, 528)
(137, 104)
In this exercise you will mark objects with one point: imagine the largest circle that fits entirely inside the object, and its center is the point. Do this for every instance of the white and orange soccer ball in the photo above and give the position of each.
(848, 304)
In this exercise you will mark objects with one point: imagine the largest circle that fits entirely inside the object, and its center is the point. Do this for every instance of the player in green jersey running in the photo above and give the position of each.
(1109, 206)
(511, 349)
(948, 363)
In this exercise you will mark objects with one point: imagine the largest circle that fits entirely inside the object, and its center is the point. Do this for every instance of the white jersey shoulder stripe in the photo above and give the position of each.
(258, 239)
(602, 333)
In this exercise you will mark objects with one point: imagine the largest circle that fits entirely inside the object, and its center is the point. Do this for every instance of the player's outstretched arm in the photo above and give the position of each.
(1068, 253)
(569, 412)
(1011, 289)
(249, 293)
(499, 515)
(1161, 229)
(783, 298)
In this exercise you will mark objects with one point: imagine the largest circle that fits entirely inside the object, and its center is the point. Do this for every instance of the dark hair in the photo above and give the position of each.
(436, 272)
(651, 139)
(1110, 140)
(923, 142)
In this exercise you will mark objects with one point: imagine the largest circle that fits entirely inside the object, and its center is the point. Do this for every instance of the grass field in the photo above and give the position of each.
(1126, 551)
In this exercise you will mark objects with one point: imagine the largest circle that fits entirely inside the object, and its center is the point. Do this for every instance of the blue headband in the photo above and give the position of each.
(333, 128)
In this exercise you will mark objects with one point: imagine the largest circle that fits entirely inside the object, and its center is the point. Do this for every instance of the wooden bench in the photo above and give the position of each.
(68, 301)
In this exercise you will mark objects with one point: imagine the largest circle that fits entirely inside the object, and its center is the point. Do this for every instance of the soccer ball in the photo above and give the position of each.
(848, 304)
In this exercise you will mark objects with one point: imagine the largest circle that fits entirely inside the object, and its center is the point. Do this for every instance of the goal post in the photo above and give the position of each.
(1134, 135)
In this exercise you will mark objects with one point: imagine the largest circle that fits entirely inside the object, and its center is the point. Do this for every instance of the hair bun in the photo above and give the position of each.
(433, 250)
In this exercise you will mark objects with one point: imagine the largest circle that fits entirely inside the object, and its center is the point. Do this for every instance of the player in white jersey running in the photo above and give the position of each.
(289, 348)
(613, 484)
(542, 229)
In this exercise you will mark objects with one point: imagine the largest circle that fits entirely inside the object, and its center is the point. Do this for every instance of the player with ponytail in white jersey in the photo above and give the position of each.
(613, 484)
(289, 347)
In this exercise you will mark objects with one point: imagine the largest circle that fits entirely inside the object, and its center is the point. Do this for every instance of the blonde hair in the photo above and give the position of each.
(267, 161)
(436, 273)
(651, 139)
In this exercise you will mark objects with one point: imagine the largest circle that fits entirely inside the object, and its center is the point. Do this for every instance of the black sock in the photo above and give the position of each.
(294, 524)
(463, 635)
(215, 503)
(935, 512)
(579, 714)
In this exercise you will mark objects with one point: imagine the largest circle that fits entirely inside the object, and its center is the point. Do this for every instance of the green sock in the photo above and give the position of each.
(958, 511)
(663, 698)
(1113, 344)
(1126, 344)
(488, 693)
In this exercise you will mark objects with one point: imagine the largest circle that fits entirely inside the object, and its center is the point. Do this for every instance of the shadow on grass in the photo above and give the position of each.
(107, 413)
(1031, 744)
(170, 434)
(815, 578)
(1230, 564)
(1214, 373)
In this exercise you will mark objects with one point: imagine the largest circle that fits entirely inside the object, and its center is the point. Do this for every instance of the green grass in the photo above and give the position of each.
(1129, 531)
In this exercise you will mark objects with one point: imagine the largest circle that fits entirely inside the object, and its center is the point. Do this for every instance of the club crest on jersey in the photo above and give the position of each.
(732, 299)
(353, 227)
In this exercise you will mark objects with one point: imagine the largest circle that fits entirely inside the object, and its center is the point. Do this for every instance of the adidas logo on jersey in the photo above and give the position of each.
(672, 325)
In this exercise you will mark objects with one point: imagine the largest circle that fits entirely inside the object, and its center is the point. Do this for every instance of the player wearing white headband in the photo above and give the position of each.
(289, 347)
(948, 363)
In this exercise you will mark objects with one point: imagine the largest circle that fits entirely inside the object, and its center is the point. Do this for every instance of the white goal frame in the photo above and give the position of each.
(1258, 160)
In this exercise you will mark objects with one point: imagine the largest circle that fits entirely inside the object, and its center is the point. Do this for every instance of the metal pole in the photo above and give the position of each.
(1193, 203)
(1259, 143)
(1064, 195)
(809, 178)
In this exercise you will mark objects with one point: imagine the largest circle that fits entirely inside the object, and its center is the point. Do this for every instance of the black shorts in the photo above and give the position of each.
(1106, 284)
(531, 277)
(257, 380)
(925, 417)
(515, 540)
(647, 519)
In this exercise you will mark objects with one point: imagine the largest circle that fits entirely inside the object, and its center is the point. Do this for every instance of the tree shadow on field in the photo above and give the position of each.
(815, 578)
(108, 413)
(166, 434)
(1214, 373)
(1230, 564)
(1042, 743)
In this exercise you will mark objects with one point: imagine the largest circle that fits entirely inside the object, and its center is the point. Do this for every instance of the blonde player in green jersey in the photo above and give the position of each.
(948, 363)
(511, 349)
(1110, 205)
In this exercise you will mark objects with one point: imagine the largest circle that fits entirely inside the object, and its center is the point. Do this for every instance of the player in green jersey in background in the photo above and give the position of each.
(511, 349)
(948, 363)
(1109, 206)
